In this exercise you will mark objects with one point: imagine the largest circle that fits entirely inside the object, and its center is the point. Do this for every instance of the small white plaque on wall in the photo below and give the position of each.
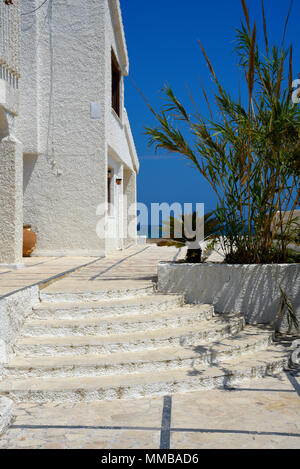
(95, 110)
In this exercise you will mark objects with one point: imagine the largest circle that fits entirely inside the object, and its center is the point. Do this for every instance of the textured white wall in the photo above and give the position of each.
(11, 173)
(27, 124)
(14, 309)
(66, 181)
(6, 413)
(67, 49)
(11, 197)
(249, 289)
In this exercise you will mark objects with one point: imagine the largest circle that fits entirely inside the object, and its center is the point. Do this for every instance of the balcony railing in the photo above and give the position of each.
(10, 42)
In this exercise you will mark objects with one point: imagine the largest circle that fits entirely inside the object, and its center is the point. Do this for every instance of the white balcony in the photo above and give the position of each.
(9, 55)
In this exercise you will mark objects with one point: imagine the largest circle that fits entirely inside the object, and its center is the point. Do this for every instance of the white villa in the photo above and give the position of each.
(68, 159)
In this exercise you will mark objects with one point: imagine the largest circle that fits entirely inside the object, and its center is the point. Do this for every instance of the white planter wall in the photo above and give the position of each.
(249, 289)
(14, 309)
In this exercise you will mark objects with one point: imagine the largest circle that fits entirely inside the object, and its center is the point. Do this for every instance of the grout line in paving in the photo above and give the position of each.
(235, 432)
(41, 263)
(118, 263)
(292, 379)
(166, 423)
(46, 282)
(82, 427)
(165, 444)
(259, 390)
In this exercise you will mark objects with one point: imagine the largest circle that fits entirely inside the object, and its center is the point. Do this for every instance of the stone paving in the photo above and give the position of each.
(38, 270)
(137, 262)
(261, 413)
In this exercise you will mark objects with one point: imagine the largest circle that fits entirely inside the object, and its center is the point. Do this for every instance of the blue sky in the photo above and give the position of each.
(163, 48)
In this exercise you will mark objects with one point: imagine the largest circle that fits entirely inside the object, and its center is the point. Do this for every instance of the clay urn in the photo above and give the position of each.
(29, 240)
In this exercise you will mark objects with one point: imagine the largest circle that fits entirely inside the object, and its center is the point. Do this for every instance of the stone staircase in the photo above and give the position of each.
(123, 343)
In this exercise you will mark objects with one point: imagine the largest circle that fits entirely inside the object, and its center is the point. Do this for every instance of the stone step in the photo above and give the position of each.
(248, 341)
(133, 385)
(180, 316)
(214, 329)
(95, 309)
(71, 291)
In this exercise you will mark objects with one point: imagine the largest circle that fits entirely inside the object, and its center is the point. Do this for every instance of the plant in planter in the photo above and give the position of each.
(287, 309)
(250, 156)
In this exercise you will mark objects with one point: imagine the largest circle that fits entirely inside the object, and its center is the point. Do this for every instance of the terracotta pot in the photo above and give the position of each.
(29, 241)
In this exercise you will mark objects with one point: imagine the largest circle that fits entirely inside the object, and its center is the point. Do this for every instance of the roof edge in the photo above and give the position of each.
(120, 34)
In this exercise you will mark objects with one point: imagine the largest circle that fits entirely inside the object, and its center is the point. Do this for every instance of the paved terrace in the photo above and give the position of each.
(133, 264)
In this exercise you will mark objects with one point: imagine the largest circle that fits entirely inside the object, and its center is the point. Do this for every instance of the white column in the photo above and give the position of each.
(129, 214)
(11, 202)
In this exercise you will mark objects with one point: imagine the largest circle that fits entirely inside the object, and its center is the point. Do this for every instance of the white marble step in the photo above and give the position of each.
(96, 309)
(82, 291)
(180, 316)
(213, 329)
(249, 340)
(75, 389)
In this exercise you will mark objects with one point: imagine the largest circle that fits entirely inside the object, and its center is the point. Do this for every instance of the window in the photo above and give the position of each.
(116, 84)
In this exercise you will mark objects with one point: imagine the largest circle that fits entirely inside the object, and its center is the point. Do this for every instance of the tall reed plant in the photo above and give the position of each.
(250, 155)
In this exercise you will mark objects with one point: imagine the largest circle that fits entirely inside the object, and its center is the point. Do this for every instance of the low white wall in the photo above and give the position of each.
(14, 309)
(249, 289)
(6, 413)
(142, 240)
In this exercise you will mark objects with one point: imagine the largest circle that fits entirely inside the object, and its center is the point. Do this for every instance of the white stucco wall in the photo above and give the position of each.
(14, 309)
(27, 126)
(249, 289)
(11, 174)
(66, 56)
(6, 413)
(65, 182)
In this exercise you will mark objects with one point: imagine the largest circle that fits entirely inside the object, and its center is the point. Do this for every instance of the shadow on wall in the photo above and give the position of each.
(4, 129)
(252, 290)
(29, 162)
